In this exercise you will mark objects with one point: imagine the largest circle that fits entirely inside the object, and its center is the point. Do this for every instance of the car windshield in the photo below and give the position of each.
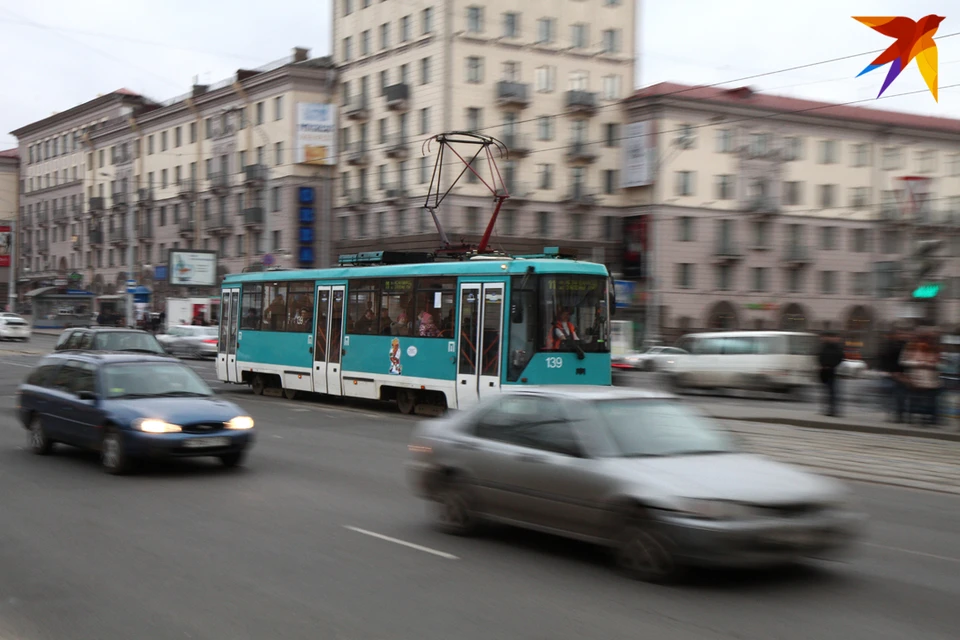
(153, 379)
(652, 428)
(127, 341)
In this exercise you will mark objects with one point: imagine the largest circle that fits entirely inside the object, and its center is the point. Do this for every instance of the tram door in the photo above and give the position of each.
(327, 336)
(227, 342)
(479, 342)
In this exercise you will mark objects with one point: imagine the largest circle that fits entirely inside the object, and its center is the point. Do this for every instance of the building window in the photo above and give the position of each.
(860, 240)
(163, 141)
(475, 19)
(427, 20)
(759, 279)
(275, 199)
(579, 36)
(546, 78)
(685, 228)
(891, 158)
(177, 136)
(827, 196)
(724, 141)
(685, 275)
(612, 134)
(347, 7)
(611, 40)
(859, 284)
(544, 176)
(259, 113)
(926, 161)
(193, 132)
(828, 152)
(424, 120)
(792, 148)
(474, 69)
(545, 128)
(546, 30)
(725, 187)
(278, 153)
(365, 43)
(543, 223)
(611, 87)
(828, 282)
(511, 25)
(859, 197)
(793, 193)
(828, 238)
(424, 170)
(425, 71)
(761, 234)
(347, 49)
(278, 108)
(610, 181)
(685, 183)
(860, 155)
(724, 277)
(385, 35)
(474, 118)
(579, 81)
(405, 29)
(510, 71)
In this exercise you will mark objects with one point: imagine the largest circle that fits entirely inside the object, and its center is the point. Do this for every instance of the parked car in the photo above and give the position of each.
(129, 407)
(190, 341)
(109, 339)
(852, 368)
(13, 327)
(638, 471)
(653, 359)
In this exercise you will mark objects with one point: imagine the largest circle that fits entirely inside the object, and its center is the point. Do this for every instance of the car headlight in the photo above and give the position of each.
(240, 423)
(151, 425)
(714, 509)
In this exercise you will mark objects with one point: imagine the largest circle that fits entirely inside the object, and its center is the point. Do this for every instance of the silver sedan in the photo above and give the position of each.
(637, 471)
(190, 341)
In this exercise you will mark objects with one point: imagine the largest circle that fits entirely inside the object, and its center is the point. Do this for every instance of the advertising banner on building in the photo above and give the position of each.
(316, 133)
(193, 268)
(638, 155)
(6, 246)
(636, 243)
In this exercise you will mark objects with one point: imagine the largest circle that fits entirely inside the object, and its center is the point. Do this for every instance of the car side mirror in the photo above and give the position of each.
(87, 395)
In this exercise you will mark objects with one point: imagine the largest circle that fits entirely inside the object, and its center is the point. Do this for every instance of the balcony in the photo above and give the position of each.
(76, 212)
(357, 199)
(43, 218)
(60, 215)
(145, 233)
(118, 237)
(796, 255)
(187, 188)
(761, 206)
(186, 227)
(398, 96)
(219, 182)
(513, 94)
(145, 196)
(397, 147)
(43, 247)
(219, 224)
(255, 175)
(395, 194)
(78, 244)
(580, 197)
(95, 237)
(357, 155)
(581, 152)
(357, 109)
(518, 145)
(253, 216)
(725, 251)
(581, 103)
(519, 191)
(119, 200)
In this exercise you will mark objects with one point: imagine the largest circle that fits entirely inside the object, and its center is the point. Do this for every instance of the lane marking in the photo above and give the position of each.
(403, 543)
(912, 552)
(17, 364)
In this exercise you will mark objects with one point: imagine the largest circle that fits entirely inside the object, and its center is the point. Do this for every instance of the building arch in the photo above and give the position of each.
(723, 316)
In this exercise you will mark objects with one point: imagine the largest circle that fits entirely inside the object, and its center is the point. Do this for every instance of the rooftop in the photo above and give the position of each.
(747, 97)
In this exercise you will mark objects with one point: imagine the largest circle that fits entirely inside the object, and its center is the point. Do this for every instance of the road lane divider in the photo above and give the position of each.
(402, 543)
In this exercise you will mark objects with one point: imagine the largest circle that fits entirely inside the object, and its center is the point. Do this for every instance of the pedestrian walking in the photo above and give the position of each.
(921, 359)
(831, 355)
(895, 373)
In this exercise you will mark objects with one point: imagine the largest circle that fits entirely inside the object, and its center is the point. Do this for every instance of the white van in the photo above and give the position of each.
(754, 360)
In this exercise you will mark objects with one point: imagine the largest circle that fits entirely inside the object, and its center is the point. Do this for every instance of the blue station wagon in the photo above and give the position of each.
(129, 407)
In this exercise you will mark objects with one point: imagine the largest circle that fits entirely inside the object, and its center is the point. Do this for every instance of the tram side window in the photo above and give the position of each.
(300, 307)
(523, 325)
(251, 306)
(396, 307)
(435, 307)
(275, 307)
(362, 307)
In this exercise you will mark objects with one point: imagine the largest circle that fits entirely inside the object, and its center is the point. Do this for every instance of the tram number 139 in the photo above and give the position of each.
(554, 363)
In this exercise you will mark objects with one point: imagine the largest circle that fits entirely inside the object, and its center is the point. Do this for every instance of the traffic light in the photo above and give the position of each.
(924, 259)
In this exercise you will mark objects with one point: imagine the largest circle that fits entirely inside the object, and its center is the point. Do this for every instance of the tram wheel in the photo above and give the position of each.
(406, 401)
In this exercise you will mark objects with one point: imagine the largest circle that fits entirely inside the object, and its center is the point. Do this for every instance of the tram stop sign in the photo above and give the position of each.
(926, 291)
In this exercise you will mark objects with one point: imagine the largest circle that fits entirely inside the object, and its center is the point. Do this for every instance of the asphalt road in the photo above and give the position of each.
(288, 548)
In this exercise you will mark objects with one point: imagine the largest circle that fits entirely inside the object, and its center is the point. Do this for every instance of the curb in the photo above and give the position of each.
(853, 428)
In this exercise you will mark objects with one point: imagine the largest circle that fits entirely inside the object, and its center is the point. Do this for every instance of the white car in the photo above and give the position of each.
(13, 327)
(653, 359)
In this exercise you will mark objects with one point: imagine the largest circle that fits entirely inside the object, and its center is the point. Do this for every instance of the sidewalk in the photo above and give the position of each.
(859, 421)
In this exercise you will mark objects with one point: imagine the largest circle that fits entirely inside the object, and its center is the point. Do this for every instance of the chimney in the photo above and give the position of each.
(300, 54)
(199, 90)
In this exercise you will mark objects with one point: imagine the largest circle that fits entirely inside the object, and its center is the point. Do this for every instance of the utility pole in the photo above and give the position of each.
(131, 281)
(11, 292)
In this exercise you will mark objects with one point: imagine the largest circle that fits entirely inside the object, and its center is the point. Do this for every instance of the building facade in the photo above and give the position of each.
(9, 208)
(545, 77)
(214, 170)
(779, 213)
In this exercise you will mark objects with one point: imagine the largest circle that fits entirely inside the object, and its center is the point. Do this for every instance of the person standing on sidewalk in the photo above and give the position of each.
(921, 359)
(831, 355)
(896, 382)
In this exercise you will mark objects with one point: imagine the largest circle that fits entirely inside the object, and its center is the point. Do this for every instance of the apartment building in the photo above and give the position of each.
(9, 208)
(544, 76)
(774, 212)
(216, 169)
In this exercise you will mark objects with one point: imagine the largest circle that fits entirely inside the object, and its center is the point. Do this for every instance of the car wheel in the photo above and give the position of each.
(644, 552)
(37, 439)
(233, 459)
(258, 385)
(113, 457)
(455, 508)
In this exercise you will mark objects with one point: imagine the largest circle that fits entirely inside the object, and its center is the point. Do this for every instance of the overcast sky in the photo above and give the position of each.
(59, 53)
